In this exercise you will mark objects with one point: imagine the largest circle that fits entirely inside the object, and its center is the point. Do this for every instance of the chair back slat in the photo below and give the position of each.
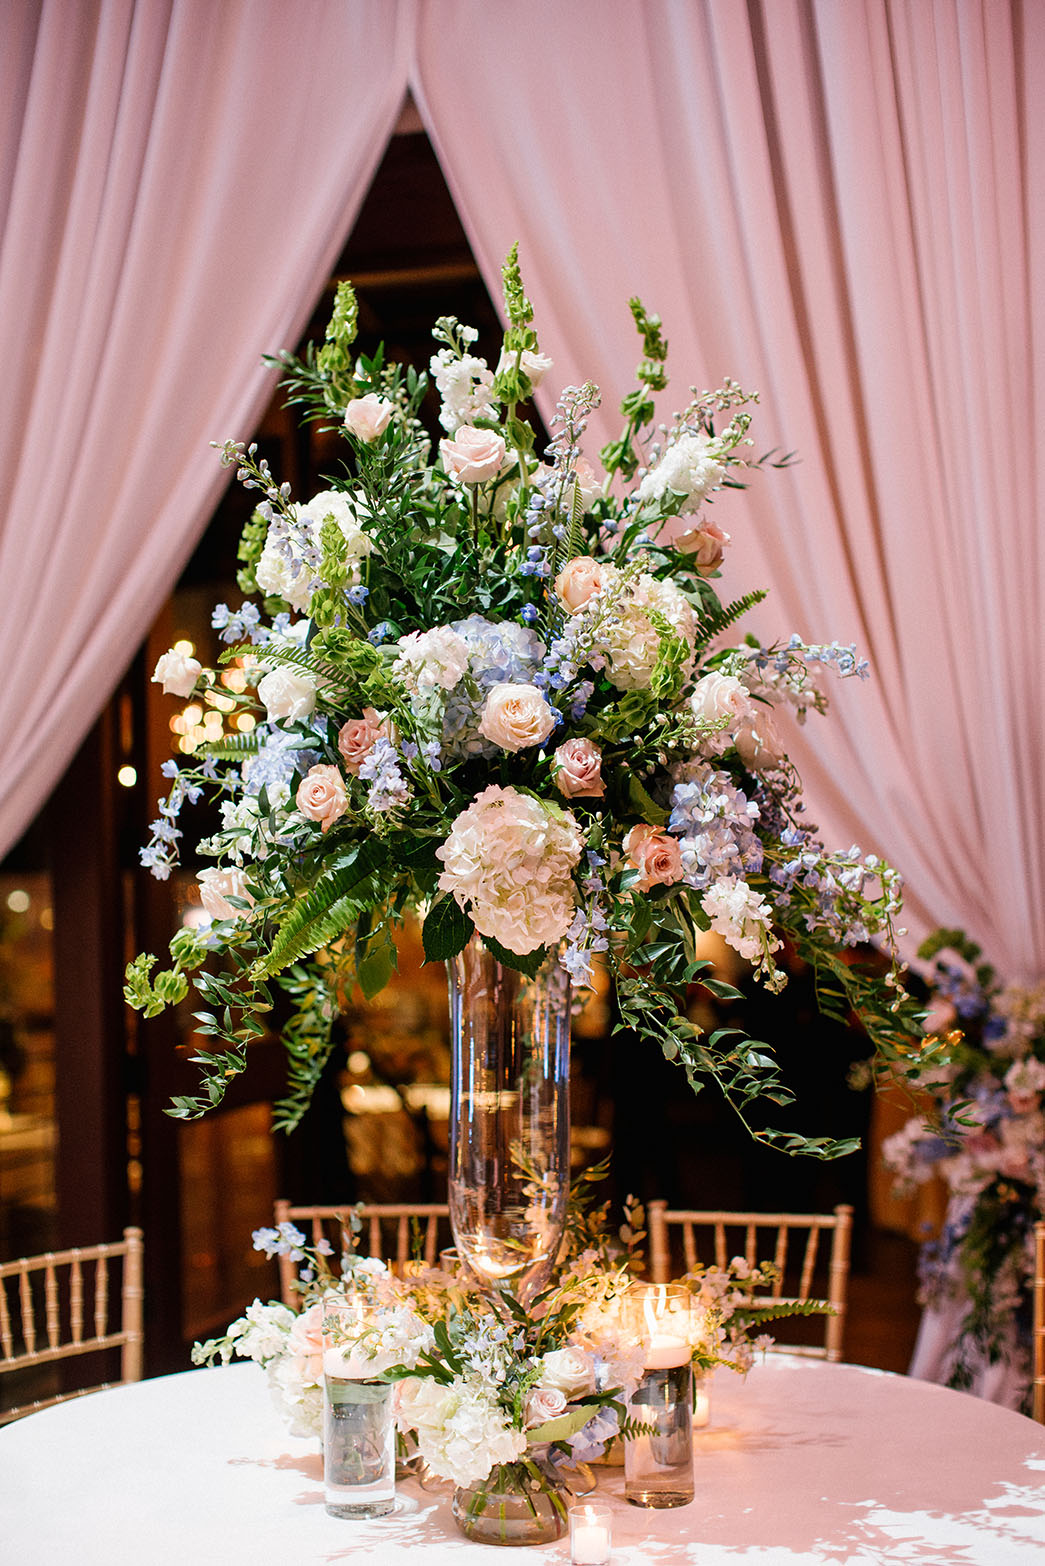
(25, 1300)
(322, 1221)
(726, 1229)
(76, 1299)
(51, 1316)
(59, 1277)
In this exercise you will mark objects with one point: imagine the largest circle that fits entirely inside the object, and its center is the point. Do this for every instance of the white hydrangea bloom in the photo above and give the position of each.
(630, 641)
(261, 1334)
(508, 860)
(431, 660)
(461, 1430)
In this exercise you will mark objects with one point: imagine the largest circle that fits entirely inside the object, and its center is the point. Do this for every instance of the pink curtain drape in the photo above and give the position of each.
(839, 205)
(176, 180)
(835, 203)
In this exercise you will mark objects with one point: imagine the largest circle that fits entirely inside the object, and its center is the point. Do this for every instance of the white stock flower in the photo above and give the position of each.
(741, 916)
(508, 861)
(347, 511)
(465, 385)
(262, 1333)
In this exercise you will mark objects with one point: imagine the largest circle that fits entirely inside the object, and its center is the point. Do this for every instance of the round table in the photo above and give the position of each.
(804, 1464)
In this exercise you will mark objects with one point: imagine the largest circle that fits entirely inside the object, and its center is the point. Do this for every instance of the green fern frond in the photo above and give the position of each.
(325, 912)
(711, 622)
(231, 747)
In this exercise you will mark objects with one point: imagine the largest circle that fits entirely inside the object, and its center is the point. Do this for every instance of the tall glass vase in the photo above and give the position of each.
(509, 1116)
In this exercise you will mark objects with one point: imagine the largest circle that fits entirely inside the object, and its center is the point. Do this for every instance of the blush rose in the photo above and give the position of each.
(473, 455)
(357, 737)
(368, 417)
(578, 581)
(656, 856)
(516, 717)
(577, 769)
(321, 796)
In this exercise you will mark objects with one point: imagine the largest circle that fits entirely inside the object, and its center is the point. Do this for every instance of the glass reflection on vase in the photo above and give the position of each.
(509, 1116)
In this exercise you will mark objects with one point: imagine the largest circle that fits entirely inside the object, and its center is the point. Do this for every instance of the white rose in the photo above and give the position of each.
(368, 417)
(534, 366)
(718, 696)
(177, 673)
(286, 694)
(473, 455)
(516, 717)
(217, 886)
(568, 1369)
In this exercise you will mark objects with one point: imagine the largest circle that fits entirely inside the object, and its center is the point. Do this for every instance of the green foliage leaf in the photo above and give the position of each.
(446, 930)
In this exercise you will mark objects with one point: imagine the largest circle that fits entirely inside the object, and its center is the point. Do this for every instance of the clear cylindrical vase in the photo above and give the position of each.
(359, 1449)
(658, 1460)
(509, 1116)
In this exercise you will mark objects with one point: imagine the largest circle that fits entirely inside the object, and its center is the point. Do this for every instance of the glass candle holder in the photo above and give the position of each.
(701, 1399)
(591, 1535)
(658, 1458)
(359, 1452)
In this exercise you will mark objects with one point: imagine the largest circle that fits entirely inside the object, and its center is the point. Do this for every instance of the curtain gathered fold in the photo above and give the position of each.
(836, 205)
(177, 178)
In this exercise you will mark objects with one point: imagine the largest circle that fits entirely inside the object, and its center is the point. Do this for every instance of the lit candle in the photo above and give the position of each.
(589, 1535)
(702, 1402)
(664, 1352)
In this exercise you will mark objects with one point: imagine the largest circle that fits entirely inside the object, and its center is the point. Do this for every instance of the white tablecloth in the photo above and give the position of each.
(804, 1464)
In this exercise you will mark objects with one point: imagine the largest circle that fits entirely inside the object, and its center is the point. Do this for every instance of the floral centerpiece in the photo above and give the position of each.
(502, 1401)
(984, 1134)
(501, 691)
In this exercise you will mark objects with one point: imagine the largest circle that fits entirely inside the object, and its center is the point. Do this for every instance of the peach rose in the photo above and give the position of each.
(577, 769)
(473, 456)
(321, 796)
(177, 673)
(706, 545)
(217, 886)
(578, 581)
(656, 856)
(516, 717)
(356, 739)
(368, 417)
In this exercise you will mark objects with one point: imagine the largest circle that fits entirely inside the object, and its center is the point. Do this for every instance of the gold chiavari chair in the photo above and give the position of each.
(762, 1237)
(73, 1316)
(380, 1221)
(1038, 1403)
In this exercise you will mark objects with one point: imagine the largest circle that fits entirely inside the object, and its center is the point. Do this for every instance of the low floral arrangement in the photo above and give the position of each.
(985, 1136)
(499, 692)
(483, 1382)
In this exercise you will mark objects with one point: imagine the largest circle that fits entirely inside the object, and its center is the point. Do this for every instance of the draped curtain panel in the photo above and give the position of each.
(839, 205)
(177, 178)
(835, 203)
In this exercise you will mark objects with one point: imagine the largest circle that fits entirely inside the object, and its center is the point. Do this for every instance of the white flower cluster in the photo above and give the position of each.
(464, 383)
(460, 1428)
(691, 467)
(742, 917)
(629, 640)
(431, 660)
(289, 563)
(508, 860)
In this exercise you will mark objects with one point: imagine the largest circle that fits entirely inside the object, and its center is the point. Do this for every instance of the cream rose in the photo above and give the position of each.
(577, 769)
(569, 1370)
(217, 886)
(368, 417)
(516, 717)
(321, 796)
(177, 673)
(357, 737)
(473, 456)
(578, 581)
(534, 366)
(656, 856)
(287, 695)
